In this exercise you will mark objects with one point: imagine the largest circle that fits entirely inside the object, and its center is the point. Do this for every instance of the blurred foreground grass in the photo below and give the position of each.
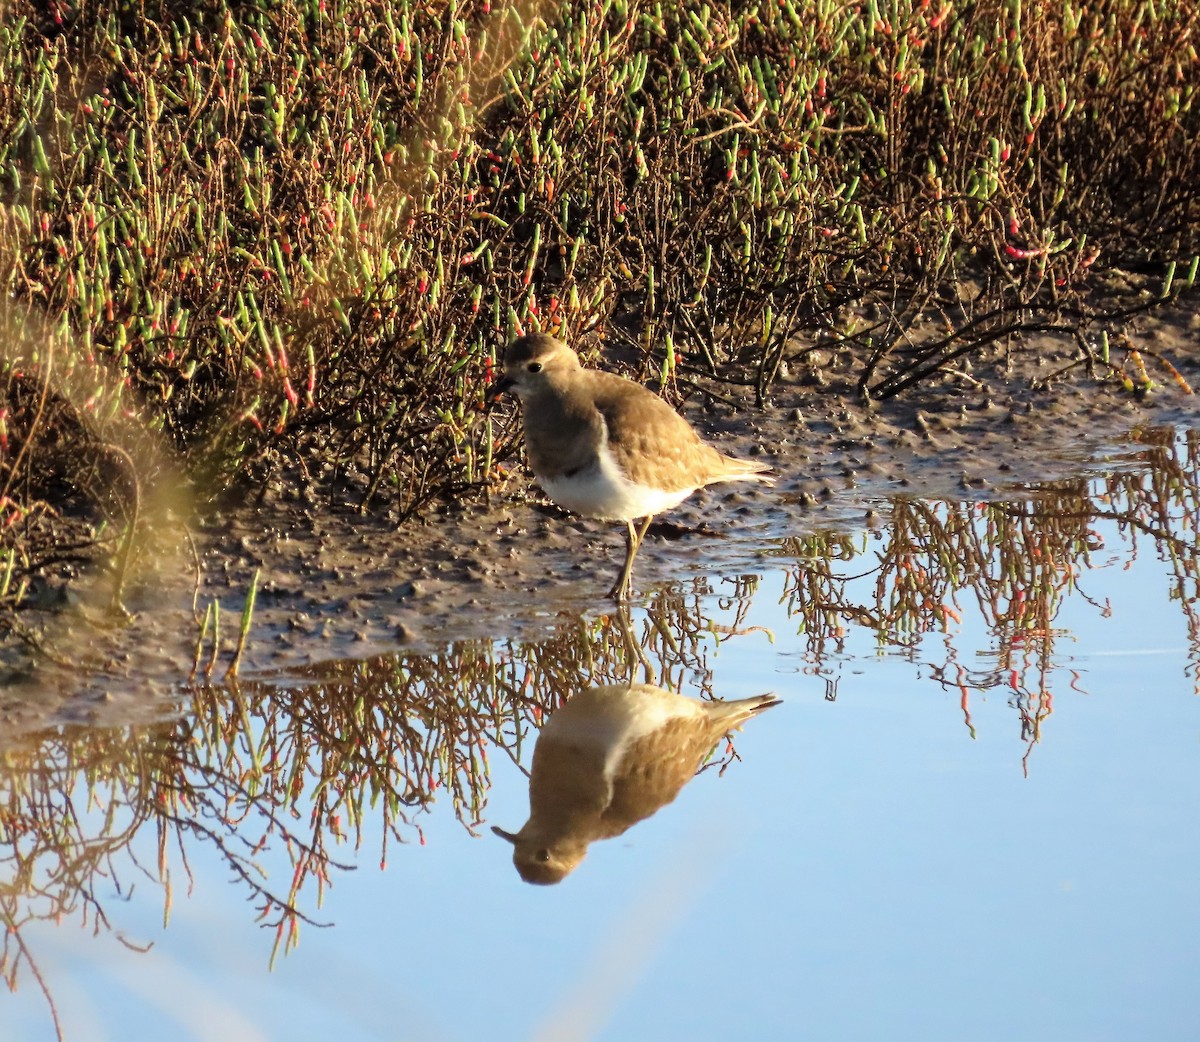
(247, 238)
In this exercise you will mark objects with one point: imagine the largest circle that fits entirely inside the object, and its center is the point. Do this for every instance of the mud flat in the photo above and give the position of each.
(337, 584)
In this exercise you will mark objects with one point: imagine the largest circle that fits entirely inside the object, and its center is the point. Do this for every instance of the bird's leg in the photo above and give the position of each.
(633, 543)
(620, 590)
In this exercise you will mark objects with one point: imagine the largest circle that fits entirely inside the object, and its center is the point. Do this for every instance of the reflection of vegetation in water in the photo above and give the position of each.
(1168, 512)
(297, 767)
(1016, 561)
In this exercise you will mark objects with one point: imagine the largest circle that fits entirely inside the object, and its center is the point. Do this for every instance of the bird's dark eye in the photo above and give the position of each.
(534, 367)
(543, 855)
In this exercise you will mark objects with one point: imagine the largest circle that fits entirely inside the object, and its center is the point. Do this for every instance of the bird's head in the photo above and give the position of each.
(532, 362)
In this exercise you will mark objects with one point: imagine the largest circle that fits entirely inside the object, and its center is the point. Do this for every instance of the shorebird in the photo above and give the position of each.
(606, 447)
(609, 758)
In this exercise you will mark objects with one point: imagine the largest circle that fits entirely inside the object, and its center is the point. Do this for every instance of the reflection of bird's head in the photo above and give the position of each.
(532, 363)
(540, 862)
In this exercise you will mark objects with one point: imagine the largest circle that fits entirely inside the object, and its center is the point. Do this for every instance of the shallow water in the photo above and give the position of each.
(973, 816)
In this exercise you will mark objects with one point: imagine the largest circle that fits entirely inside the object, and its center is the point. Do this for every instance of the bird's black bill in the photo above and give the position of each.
(501, 386)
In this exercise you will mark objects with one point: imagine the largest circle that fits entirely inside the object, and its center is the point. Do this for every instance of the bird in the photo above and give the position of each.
(608, 448)
(608, 758)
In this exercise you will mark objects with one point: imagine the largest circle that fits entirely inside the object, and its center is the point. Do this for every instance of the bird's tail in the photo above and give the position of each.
(746, 470)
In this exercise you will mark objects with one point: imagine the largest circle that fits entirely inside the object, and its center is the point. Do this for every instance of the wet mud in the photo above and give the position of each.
(334, 584)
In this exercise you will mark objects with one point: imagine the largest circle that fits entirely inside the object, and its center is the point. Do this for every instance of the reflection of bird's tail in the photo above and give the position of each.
(731, 715)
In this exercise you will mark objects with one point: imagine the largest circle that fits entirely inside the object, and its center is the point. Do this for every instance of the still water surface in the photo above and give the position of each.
(973, 816)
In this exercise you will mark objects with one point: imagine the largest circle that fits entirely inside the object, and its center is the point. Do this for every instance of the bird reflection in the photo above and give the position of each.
(608, 758)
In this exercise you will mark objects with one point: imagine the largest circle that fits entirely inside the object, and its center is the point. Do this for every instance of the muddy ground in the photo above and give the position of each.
(335, 584)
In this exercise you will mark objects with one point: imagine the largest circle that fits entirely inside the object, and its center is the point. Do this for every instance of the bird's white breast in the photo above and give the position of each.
(603, 491)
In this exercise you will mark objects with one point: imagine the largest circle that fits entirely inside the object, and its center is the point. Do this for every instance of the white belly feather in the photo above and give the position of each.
(604, 492)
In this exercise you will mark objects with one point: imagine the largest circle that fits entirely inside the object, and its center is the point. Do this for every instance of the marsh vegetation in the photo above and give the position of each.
(287, 239)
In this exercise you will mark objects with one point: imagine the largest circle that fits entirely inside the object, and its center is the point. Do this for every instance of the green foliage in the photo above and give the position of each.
(296, 232)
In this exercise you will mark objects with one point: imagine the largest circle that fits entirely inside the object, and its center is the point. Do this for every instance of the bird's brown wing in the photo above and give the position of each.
(653, 444)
